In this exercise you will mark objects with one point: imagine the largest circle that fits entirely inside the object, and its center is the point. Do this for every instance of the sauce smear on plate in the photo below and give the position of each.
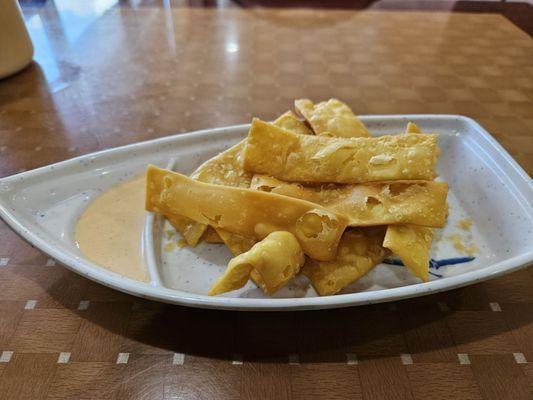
(109, 231)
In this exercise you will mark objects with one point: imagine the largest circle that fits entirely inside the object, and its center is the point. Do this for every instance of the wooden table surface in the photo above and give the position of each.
(107, 75)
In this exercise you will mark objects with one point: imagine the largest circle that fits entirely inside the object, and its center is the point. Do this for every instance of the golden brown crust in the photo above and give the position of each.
(211, 236)
(226, 169)
(359, 251)
(236, 243)
(303, 158)
(332, 117)
(274, 261)
(412, 244)
(236, 210)
(290, 122)
(369, 204)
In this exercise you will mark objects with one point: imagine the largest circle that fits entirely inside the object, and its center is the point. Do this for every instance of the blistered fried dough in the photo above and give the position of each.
(247, 212)
(290, 122)
(412, 244)
(275, 259)
(223, 169)
(189, 229)
(331, 117)
(236, 243)
(304, 158)
(235, 277)
(368, 204)
(359, 251)
(211, 236)
(226, 169)
(412, 128)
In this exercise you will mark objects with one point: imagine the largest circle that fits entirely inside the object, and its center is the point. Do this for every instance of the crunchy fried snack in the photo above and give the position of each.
(275, 259)
(211, 236)
(226, 169)
(235, 209)
(191, 231)
(412, 244)
(290, 122)
(319, 178)
(359, 251)
(235, 242)
(223, 169)
(303, 158)
(368, 204)
(412, 128)
(331, 117)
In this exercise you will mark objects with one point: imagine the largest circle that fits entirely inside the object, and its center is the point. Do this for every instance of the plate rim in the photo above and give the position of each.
(147, 290)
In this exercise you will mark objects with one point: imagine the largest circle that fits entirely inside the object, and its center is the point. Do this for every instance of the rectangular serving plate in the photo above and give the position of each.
(486, 185)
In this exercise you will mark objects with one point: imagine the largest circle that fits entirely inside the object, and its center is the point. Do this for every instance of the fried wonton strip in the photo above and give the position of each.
(412, 128)
(226, 169)
(303, 158)
(245, 211)
(412, 244)
(211, 236)
(275, 259)
(235, 242)
(290, 122)
(331, 117)
(359, 251)
(189, 229)
(368, 204)
(223, 169)
(235, 277)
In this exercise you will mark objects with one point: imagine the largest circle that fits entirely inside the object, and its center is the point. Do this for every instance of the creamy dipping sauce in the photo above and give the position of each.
(109, 231)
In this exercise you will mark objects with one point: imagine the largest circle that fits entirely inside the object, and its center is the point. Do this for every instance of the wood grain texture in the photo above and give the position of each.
(266, 381)
(137, 73)
(443, 381)
(101, 332)
(481, 332)
(204, 379)
(500, 377)
(86, 381)
(45, 331)
(144, 379)
(428, 338)
(384, 378)
(517, 317)
(10, 315)
(27, 376)
(334, 381)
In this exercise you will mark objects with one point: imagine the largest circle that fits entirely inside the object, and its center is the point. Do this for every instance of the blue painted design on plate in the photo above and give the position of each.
(434, 264)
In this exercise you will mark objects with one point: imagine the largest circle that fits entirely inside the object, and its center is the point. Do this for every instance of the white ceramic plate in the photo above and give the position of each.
(486, 185)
